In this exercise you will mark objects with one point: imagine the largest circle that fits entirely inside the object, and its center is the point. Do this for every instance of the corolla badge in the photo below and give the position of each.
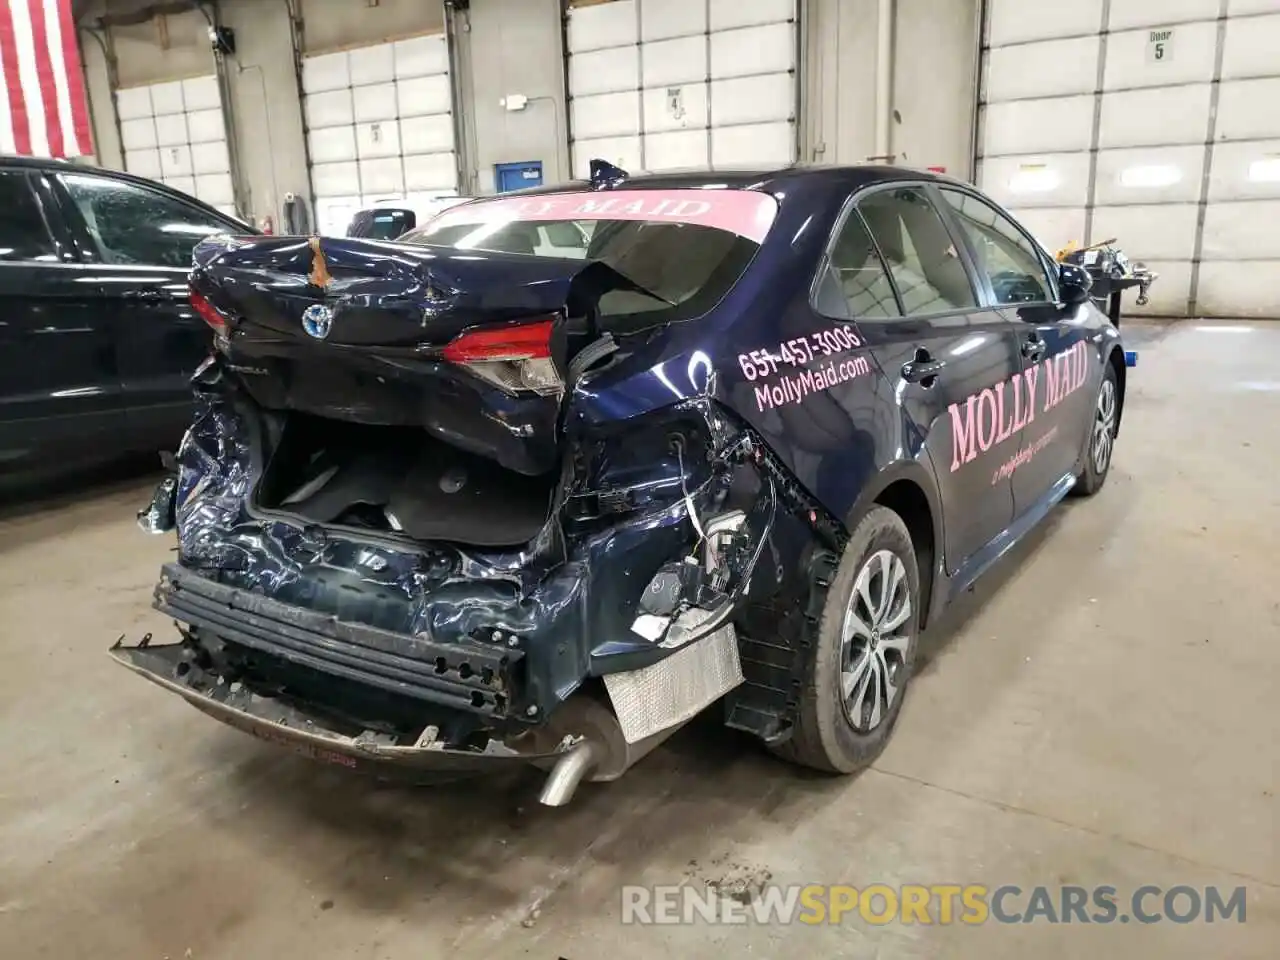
(317, 320)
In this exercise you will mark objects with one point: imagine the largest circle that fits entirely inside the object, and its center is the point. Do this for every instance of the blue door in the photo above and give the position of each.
(517, 176)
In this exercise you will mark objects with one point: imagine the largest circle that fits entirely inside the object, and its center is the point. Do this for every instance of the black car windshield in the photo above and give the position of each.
(683, 262)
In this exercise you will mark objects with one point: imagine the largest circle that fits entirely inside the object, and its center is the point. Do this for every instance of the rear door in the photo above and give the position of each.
(59, 387)
(140, 240)
(1057, 358)
(953, 362)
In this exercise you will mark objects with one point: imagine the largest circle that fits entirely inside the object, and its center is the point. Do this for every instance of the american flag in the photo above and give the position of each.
(44, 112)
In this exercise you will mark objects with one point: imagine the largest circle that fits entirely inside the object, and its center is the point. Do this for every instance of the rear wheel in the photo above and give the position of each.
(1102, 435)
(857, 677)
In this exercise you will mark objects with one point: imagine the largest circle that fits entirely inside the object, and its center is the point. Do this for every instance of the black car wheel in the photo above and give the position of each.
(1102, 436)
(861, 665)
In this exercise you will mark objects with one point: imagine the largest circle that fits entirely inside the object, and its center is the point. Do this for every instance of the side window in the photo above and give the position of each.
(23, 232)
(1009, 259)
(130, 224)
(924, 262)
(857, 275)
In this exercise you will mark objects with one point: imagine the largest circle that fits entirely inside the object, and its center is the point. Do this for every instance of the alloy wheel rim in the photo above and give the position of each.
(876, 636)
(1104, 427)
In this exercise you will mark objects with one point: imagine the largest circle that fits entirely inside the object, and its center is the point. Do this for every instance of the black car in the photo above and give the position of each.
(98, 339)
(454, 503)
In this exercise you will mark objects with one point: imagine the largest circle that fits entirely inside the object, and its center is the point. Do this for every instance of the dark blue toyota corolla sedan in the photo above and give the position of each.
(558, 470)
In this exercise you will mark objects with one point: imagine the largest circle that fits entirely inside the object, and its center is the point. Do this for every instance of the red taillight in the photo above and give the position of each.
(515, 359)
(209, 313)
(528, 341)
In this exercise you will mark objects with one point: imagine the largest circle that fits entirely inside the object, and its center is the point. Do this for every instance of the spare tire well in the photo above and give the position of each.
(908, 501)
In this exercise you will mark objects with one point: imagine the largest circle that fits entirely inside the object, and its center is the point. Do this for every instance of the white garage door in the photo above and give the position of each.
(1153, 121)
(174, 132)
(379, 127)
(671, 84)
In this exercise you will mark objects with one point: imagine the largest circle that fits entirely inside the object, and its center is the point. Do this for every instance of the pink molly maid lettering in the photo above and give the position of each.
(990, 417)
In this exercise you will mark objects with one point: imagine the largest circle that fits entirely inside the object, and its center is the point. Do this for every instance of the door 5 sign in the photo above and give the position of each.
(1160, 46)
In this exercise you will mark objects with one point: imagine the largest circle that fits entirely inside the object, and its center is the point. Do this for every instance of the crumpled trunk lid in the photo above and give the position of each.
(471, 346)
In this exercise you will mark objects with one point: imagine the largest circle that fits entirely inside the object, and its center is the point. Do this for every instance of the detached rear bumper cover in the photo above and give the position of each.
(276, 721)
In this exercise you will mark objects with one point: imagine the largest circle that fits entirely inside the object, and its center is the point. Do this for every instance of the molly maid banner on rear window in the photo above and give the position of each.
(742, 212)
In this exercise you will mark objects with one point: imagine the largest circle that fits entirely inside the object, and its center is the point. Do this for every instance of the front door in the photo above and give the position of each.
(1059, 362)
(59, 387)
(955, 363)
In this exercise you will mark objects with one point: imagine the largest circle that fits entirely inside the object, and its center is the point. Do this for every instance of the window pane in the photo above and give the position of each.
(134, 225)
(1015, 268)
(860, 273)
(925, 264)
(23, 234)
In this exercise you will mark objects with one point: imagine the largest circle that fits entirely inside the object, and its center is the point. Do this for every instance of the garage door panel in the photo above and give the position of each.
(604, 71)
(622, 151)
(752, 145)
(1155, 116)
(606, 115)
(1159, 13)
(204, 126)
(1037, 126)
(602, 25)
(1051, 68)
(421, 56)
(383, 175)
(1044, 180)
(427, 134)
(327, 72)
(380, 138)
(1016, 21)
(376, 102)
(424, 95)
(166, 98)
(215, 188)
(752, 99)
(690, 112)
(674, 61)
(210, 157)
(431, 171)
(661, 19)
(332, 144)
(374, 64)
(1160, 232)
(1169, 294)
(186, 184)
(1190, 58)
(335, 179)
(1239, 116)
(171, 130)
(1252, 48)
(677, 150)
(1242, 231)
(1226, 290)
(1244, 7)
(1248, 170)
(144, 163)
(330, 109)
(728, 14)
(1149, 175)
(1053, 227)
(133, 103)
(138, 134)
(201, 93)
(766, 49)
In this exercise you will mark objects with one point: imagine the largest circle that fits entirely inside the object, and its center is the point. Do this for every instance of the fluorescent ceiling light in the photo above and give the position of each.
(1153, 175)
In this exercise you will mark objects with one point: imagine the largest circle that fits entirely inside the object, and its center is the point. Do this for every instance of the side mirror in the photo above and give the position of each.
(1074, 283)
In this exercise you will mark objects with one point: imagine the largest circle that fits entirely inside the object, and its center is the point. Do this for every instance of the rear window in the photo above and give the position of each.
(683, 250)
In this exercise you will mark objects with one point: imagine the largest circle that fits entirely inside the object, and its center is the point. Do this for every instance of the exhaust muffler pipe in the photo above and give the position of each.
(570, 770)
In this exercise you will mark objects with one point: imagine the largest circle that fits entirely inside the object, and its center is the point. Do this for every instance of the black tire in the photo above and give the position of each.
(825, 737)
(1105, 416)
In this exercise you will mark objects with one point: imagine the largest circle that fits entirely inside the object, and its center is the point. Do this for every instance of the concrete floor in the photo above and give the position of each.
(1105, 710)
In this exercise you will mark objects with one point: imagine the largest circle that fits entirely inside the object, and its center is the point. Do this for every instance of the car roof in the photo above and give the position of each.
(67, 166)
